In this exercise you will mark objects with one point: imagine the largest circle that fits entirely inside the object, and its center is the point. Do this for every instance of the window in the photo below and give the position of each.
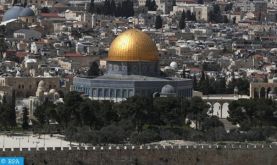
(100, 93)
(130, 93)
(118, 93)
(124, 93)
(94, 92)
(112, 94)
(106, 93)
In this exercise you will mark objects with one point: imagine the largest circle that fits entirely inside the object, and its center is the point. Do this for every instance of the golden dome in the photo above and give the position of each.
(133, 45)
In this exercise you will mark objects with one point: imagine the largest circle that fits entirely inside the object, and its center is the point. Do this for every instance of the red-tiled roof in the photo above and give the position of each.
(53, 15)
(195, 70)
(10, 52)
(21, 54)
(186, 1)
(72, 54)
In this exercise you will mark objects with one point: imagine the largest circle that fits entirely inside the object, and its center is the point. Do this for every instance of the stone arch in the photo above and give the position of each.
(225, 109)
(217, 109)
(262, 92)
(256, 93)
(267, 91)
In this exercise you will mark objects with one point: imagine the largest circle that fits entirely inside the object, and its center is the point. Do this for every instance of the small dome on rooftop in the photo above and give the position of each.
(168, 89)
(17, 11)
(174, 65)
(26, 12)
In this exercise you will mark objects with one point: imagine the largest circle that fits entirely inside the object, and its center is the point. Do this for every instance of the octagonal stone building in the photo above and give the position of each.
(132, 69)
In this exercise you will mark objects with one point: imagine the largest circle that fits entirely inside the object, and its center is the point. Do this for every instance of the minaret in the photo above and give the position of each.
(93, 20)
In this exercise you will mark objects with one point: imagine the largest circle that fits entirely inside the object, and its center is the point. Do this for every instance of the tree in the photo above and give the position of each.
(182, 23)
(25, 119)
(198, 110)
(91, 7)
(204, 83)
(225, 19)
(3, 46)
(113, 8)
(159, 22)
(135, 109)
(12, 110)
(93, 70)
(228, 7)
(45, 10)
(14, 2)
(112, 134)
(252, 113)
(171, 111)
(193, 17)
(200, 1)
(173, 2)
(188, 15)
(25, 3)
(215, 15)
(195, 85)
(151, 5)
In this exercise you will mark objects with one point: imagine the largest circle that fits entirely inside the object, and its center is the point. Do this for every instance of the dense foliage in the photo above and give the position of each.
(215, 15)
(253, 113)
(137, 120)
(158, 22)
(142, 120)
(7, 115)
(209, 85)
(151, 5)
(111, 8)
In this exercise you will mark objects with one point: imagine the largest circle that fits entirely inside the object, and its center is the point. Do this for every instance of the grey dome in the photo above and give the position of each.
(26, 12)
(12, 13)
(17, 11)
(168, 89)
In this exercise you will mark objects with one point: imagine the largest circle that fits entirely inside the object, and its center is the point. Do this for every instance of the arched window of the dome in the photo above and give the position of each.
(106, 93)
(94, 92)
(100, 93)
(112, 93)
(130, 93)
(124, 93)
(118, 93)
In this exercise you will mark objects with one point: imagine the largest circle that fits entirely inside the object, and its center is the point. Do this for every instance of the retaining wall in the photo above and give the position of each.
(149, 155)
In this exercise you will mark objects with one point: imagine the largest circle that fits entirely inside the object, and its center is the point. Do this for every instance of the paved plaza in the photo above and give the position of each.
(34, 141)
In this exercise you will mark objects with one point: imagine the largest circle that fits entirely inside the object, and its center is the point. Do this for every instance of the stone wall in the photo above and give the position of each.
(149, 155)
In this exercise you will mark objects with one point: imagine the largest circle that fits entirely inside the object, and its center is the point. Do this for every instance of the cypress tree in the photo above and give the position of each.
(153, 6)
(200, 1)
(193, 17)
(12, 110)
(113, 8)
(159, 22)
(188, 15)
(25, 119)
(91, 7)
(182, 23)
